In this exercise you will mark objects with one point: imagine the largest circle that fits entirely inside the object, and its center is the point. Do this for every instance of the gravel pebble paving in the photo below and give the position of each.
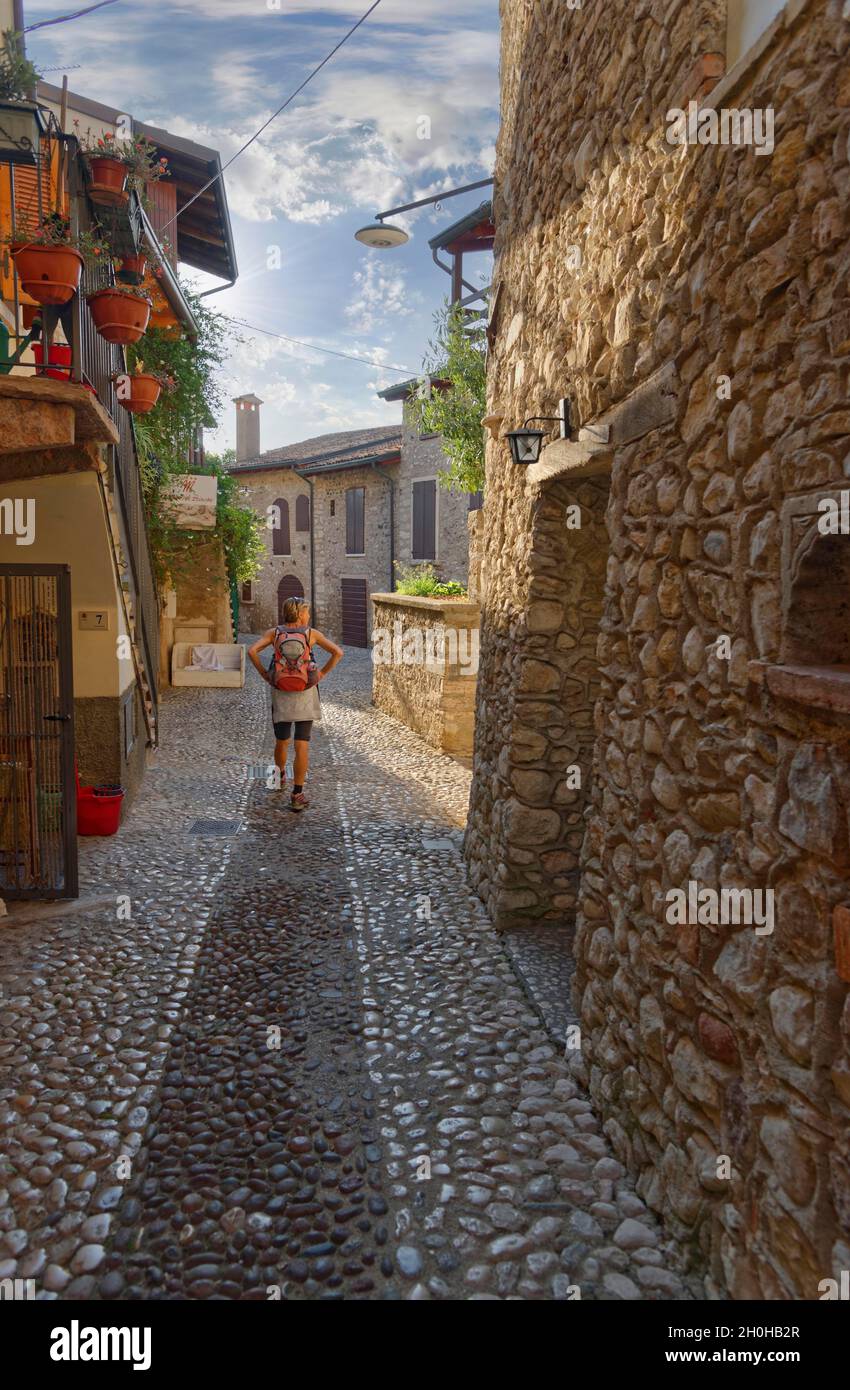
(306, 1067)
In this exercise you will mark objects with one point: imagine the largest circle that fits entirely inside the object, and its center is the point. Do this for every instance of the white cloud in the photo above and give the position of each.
(379, 295)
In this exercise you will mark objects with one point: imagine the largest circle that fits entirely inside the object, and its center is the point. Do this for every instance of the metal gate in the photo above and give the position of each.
(38, 803)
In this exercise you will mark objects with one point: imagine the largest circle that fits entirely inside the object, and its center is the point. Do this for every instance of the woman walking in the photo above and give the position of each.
(294, 679)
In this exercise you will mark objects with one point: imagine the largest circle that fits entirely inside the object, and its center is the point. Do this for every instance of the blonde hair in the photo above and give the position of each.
(291, 610)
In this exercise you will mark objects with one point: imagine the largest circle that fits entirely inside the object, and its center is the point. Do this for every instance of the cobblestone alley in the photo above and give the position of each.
(277, 1077)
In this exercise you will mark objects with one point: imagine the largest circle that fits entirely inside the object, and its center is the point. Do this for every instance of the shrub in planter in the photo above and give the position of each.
(120, 315)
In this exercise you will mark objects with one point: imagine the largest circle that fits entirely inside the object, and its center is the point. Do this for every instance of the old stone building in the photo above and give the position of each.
(347, 510)
(664, 691)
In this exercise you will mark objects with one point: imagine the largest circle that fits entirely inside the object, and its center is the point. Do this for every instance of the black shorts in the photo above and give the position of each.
(303, 729)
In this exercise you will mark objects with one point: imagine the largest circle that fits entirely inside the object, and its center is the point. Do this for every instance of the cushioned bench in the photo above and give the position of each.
(230, 657)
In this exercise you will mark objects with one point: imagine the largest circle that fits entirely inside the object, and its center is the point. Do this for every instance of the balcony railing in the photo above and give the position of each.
(96, 363)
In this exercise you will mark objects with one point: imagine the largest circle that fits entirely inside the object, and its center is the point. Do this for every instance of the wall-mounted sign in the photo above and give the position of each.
(190, 500)
(94, 621)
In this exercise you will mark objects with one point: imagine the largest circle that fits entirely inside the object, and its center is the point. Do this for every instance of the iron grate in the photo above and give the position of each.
(215, 827)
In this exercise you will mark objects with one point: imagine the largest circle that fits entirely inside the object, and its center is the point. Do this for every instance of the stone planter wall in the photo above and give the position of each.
(693, 302)
(425, 654)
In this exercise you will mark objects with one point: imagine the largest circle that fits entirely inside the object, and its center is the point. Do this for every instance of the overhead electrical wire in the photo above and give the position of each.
(273, 117)
(64, 18)
(333, 352)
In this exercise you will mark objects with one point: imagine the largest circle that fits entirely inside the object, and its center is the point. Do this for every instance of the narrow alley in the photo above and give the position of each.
(289, 1057)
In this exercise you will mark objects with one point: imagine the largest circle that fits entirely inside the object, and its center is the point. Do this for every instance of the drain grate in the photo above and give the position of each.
(215, 827)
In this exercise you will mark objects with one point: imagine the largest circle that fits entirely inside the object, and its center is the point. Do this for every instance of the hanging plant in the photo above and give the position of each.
(132, 269)
(120, 164)
(138, 391)
(120, 314)
(49, 261)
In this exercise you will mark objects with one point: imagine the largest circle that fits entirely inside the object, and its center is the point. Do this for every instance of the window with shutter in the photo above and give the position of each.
(423, 544)
(302, 512)
(355, 521)
(280, 543)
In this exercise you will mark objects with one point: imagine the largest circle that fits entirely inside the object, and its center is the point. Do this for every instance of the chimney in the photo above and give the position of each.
(247, 427)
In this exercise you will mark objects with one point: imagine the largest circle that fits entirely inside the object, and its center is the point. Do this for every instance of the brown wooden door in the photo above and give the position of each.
(354, 600)
(290, 586)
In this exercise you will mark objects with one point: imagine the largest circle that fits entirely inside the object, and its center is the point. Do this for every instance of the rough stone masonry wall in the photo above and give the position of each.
(423, 457)
(261, 490)
(432, 691)
(332, 563)
(699, 1042)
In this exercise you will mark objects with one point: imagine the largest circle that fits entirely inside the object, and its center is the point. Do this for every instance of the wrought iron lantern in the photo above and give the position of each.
(21, 129)
(525, 444)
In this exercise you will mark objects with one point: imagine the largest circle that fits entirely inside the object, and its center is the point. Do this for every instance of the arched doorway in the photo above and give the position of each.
(290, 586)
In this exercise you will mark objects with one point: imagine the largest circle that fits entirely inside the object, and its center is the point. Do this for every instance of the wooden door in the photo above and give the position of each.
(290, 586)
(354, 624)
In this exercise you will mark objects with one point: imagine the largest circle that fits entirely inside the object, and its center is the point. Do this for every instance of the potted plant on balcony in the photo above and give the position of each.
(119, 164)
(144, 164)
(21, 122)
(120, 314)
(49, 260)
(132, 269)
(138, 391)
(104, 160)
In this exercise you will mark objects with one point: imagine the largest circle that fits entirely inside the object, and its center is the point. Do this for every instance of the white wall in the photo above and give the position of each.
(71, 529)
(747, 19)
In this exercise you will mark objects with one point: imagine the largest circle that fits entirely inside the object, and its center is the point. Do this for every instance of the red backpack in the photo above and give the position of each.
(292, 658)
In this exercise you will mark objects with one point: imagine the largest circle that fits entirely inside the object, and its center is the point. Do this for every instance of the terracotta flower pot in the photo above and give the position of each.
(119, 317)
(108, 178)
(144, 392)
(133, 269)
(48, 274)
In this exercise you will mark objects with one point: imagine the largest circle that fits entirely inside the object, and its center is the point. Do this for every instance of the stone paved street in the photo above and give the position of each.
(307, 1064)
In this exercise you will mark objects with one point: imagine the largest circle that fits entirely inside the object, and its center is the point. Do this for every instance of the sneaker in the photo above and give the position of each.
(299, 802)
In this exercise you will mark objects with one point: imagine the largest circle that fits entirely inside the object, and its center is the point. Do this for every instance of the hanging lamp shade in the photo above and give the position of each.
(382, 235)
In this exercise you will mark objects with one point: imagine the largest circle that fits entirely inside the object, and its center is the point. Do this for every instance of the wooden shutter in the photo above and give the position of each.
(354, 604)
(355, 521)
(424, 532)
(280, 544)
(302, 512)
(162, 198)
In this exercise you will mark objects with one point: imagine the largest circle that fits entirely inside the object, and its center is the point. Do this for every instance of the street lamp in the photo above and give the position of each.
(525, 444)
(380, 235)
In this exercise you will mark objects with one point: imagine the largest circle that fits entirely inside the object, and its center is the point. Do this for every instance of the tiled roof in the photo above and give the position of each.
(325, 452)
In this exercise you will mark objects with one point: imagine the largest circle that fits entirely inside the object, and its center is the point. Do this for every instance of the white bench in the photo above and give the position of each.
(230, 657)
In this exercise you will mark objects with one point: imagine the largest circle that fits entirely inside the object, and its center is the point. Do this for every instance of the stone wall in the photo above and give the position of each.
(332, 563)
(425, 663)
(261, 490)
(422, 457)
(694, 300)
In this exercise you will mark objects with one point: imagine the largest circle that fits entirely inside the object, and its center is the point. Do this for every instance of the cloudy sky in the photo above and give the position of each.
(350, 146)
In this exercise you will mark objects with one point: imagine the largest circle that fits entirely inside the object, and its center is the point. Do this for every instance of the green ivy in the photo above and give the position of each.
(458, 354)
(165, 436)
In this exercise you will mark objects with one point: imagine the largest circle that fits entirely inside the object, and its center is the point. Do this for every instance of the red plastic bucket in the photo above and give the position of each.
(96, 815)
(59, 355)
